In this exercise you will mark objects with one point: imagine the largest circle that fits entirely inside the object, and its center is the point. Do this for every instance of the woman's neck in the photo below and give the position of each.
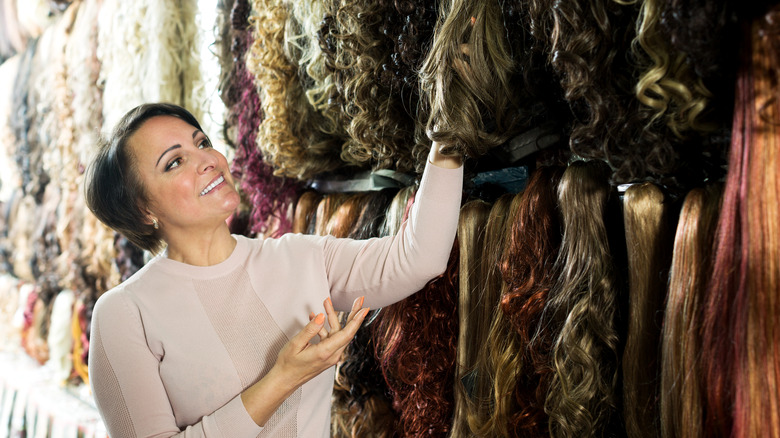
(204, 250)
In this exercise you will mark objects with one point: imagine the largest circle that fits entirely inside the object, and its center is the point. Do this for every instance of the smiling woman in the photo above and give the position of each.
(213, 336)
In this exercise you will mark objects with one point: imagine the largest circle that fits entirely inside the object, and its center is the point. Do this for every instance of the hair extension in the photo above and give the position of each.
(230, 29)
(483, 305)
(10, 177)
(415, 340)
(668, 85)
(740, 367)
(22, 114)
(471, 233)
(518, 347)
(60, 340)
(380, 130)
(582, 399)
(361, 405)
(648, 242)
(468, 78)
(305, 209)
(681, 395)
(12, 36)
(344, 216)
(286, 135)
(588, 48)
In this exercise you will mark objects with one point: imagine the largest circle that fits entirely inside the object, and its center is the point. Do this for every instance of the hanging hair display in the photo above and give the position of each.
(682, 409)
(582, 399)
(648, 241)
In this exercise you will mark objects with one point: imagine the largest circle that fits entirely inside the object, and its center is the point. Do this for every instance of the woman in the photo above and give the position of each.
(215, 336)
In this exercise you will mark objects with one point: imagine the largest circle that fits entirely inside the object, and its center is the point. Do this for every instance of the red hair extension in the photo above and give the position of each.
(416, 342)
(728, 279)
(756, 330)
(529, 271)
(681, 394)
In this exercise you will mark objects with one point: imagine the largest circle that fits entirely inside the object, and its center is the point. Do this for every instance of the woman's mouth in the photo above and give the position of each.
(211, 186)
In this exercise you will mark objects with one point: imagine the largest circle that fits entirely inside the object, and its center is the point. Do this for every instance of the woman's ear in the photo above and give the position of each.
(151, 219)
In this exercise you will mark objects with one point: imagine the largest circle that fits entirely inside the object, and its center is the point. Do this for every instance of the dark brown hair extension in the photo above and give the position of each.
(648, 240)
(589, 43)
(361, 404)
(468, 77)
(305, 210)
(519, 346)
(471, 233)
(682, 410)
(582, 399)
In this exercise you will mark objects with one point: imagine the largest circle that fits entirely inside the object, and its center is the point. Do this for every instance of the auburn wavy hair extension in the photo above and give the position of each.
(471, 233)
(646, 216)
(583, 396)
(415, 343)
(469, 78)
(681, 402)
(518, 347)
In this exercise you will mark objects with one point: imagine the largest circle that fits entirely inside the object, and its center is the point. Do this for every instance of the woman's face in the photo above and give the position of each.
(188, 182)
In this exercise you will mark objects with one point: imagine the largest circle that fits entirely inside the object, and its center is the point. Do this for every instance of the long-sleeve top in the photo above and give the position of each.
(173, 347)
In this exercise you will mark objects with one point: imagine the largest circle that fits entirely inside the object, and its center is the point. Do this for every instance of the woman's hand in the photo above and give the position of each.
(447, 161)
(300, 360)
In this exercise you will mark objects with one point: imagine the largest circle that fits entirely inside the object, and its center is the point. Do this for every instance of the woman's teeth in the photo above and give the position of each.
(216, 182)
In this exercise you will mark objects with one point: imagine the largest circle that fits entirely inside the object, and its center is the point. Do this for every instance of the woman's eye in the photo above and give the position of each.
(173, 164)
(205, 143)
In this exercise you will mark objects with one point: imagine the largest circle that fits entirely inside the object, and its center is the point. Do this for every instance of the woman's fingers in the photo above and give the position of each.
(333, 318)
(301, 340)
(356, 306)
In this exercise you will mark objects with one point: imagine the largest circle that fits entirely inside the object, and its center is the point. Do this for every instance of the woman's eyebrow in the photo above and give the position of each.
(166, 151)
(194, 134)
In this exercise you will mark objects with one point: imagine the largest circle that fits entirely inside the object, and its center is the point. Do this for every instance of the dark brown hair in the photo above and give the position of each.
(113, 191)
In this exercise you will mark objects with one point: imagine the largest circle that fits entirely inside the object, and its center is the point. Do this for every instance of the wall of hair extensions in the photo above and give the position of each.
(616, 268)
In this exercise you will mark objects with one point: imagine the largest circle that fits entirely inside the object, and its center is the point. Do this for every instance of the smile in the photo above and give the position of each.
(216, 182)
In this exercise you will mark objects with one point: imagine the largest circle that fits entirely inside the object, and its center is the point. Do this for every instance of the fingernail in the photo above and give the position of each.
(365, 312)
(327, 300)
(358, 302)
(319, 319)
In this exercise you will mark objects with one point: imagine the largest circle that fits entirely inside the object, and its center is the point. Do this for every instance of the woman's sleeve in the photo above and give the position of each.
(125, 380)
(389, 269)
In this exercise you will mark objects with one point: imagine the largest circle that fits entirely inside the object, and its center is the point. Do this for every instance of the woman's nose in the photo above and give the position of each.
(207, 161)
